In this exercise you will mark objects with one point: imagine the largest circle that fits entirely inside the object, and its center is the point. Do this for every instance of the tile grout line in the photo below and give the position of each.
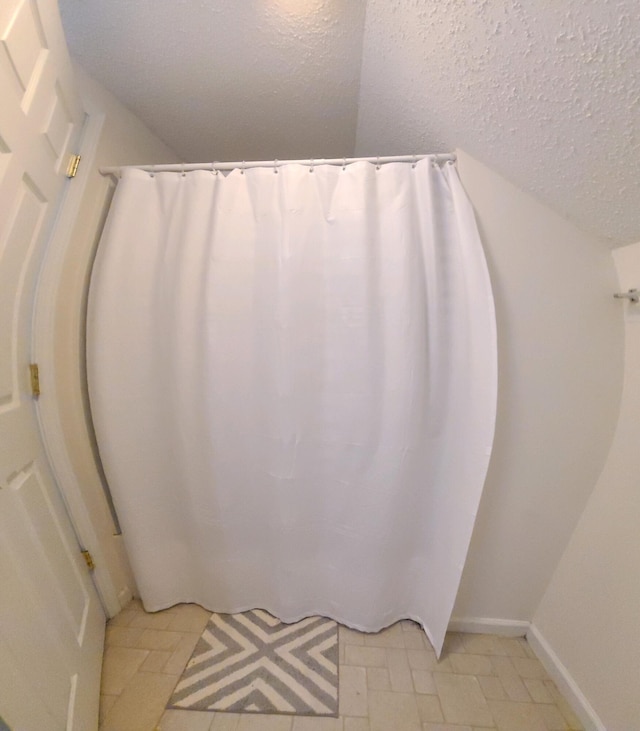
(402, 648)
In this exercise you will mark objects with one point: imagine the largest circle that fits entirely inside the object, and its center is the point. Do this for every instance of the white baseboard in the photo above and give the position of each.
(125, 595)
(486, 625)
(563, 679)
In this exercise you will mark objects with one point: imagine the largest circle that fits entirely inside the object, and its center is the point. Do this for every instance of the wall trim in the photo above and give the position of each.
(543, 650)
(487, 625)
(43, 348)
(564, 680)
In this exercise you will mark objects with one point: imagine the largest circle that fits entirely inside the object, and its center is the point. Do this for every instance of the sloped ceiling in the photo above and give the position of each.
(229, 79)
(547, 92)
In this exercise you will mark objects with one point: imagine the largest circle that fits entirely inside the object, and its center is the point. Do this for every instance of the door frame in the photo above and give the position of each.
(42, 348)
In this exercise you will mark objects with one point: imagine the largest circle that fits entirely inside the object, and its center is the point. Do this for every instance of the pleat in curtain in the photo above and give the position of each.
(293, 382)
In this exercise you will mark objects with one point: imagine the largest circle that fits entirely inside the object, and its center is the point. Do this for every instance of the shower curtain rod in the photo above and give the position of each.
(188, 167)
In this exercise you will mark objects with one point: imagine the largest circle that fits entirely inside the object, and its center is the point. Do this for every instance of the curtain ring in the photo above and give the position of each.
(183, 171)
(275, 166)
(344, 164)
(378, 164)
(415, 161)
(311, 166)
(152, 172)
(242, 167)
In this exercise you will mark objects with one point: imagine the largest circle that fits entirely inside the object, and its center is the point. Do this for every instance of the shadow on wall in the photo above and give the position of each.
(560, 359)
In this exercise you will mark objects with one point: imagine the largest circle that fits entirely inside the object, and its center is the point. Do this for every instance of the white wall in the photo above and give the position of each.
(124, 139)
(589, 614)
(560, 350)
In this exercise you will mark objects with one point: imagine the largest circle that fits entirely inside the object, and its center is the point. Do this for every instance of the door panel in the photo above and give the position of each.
(18, 693)
(24, 226)
(25, 43)
(22, 607)
(54, 566)
(51, 622)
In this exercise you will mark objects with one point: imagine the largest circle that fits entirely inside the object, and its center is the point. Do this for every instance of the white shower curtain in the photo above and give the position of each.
(293, 381)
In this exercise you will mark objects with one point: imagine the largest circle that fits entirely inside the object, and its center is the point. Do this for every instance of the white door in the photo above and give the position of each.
(51, 622)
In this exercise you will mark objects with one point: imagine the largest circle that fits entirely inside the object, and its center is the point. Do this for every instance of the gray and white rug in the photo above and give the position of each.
(253, 662)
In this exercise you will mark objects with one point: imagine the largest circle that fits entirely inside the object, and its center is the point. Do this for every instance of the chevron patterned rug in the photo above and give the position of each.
(252, 662)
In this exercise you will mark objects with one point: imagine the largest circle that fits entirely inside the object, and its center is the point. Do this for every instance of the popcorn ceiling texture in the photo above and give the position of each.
(228, 79)
(546, 92)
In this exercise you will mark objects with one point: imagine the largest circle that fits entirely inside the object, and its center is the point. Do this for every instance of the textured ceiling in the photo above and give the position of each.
(228, 79)
(547, 92)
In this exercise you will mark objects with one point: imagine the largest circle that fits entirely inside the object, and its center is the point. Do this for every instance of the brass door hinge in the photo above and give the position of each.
(34, 375)
(72, 167)
(88, 558)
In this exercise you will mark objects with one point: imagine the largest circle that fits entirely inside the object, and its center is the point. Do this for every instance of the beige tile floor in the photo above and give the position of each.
(390, 681)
